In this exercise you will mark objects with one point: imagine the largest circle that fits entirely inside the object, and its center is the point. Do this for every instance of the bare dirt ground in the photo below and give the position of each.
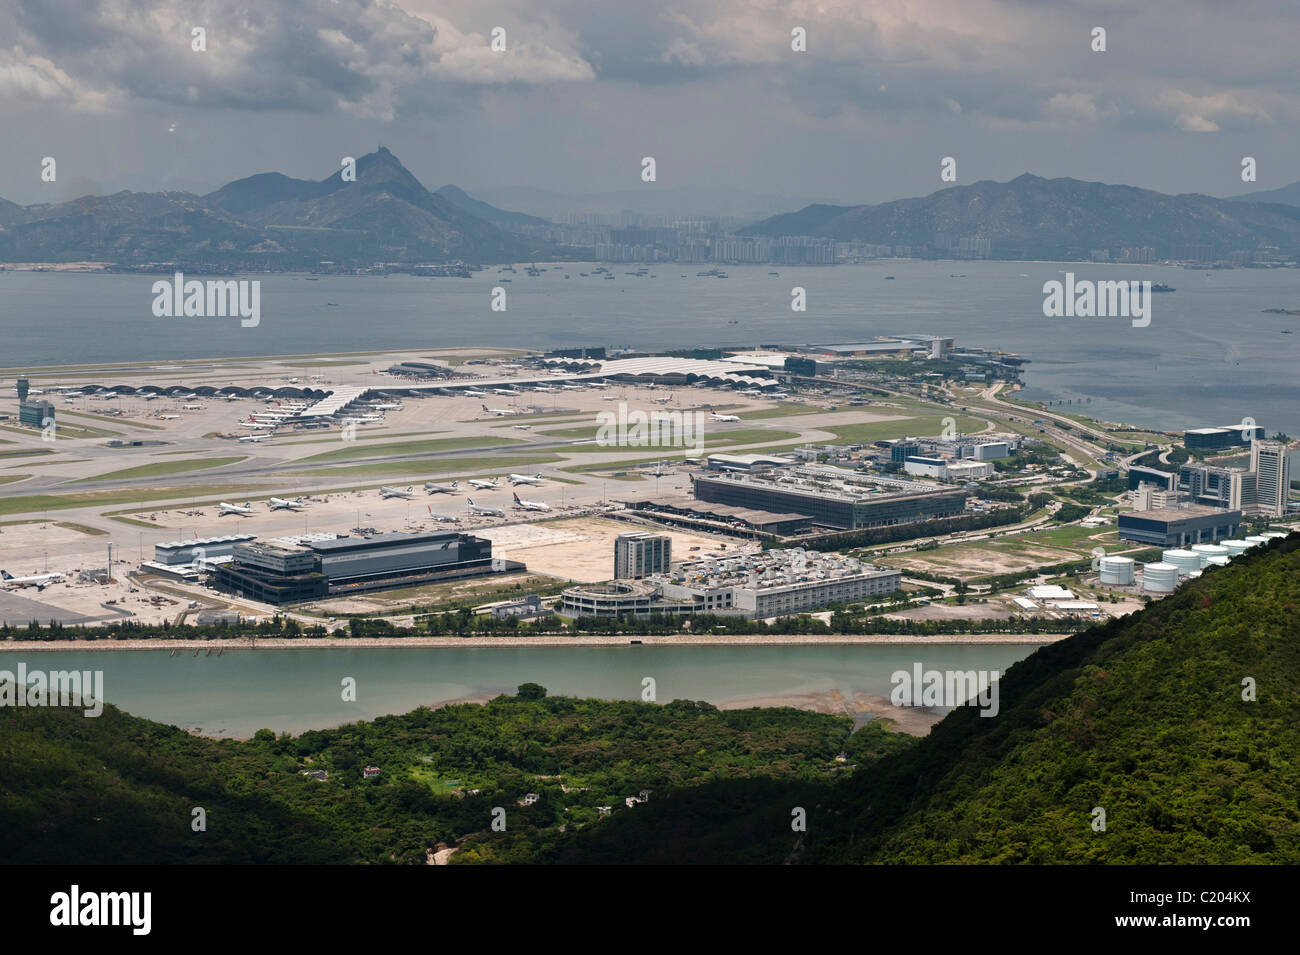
(582, 550)
(964, 562)
(970, 611)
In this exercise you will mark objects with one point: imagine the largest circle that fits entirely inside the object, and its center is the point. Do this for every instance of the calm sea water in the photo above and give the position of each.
(1209, 357)
(239, 692)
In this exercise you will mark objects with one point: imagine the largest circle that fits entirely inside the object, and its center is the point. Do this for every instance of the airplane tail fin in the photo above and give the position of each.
(455, 484)
(5, 575)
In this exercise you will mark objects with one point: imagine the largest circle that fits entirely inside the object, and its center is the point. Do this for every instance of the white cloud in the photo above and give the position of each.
(25, 77)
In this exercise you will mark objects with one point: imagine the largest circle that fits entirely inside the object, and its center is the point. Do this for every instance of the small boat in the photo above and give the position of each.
(889, 276)
(1162, 287)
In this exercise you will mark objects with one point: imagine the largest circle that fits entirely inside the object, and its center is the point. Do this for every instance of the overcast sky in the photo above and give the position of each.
(710, 88)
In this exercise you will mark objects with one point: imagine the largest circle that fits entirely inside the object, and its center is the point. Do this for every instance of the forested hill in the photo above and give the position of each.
(1143, 718)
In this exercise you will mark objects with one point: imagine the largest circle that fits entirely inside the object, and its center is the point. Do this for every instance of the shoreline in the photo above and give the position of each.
(426, 643)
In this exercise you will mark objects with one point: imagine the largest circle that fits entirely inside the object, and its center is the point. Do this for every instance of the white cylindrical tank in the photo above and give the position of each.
(1254, 540)
(1160, 578)
(1185, 560)
(1235, 547)
(1216, 560)
(1273, 534)
(1210, 550)
(1116, 570)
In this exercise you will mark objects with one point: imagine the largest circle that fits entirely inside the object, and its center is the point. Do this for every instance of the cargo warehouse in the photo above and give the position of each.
(308, 568)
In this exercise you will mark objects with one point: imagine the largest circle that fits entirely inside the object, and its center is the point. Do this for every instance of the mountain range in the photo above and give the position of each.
(273, 220)
(1053, 219)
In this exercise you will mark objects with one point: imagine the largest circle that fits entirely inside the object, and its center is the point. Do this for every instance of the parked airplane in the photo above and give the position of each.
(397, 491)
(258, 437)
(442, 517)
(542, 388)
(571, 387)
(167, 417)
(484, 509)
(485, 485)
(433, 487)
(499, 412)
(39, 581)
(474, 394)
(283, 504)
(523, 427)
(778, 394)
(260, 425)
(531, 505)
(242, 510)
(505, 391)
(723, 417)
(525, 479)
(191, 407)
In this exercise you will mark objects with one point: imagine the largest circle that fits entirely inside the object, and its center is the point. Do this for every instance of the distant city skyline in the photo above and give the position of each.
(712, 90)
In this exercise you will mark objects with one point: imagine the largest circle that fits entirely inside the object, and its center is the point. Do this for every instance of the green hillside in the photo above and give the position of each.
(118, 788)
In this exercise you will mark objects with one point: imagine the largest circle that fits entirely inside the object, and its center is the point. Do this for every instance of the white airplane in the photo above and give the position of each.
(523, 427)
(664, 400)
(499, 412)
(260, 425)
(386, 407)
(167, 417)
(433, 487)
(752, 392)
(191, 407)
(442, 517)
(505, 391)
(531, 505)
(542, 388)
(723, 417)
(484, 485)
(243, 511)
(525, 479)
(39, 581)
(387, 492)
(258, 437)
(188, 397)
(270, 416)
(474, 394)
(571, 387)
(778, 394)
(484, 509)
(283, 504)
